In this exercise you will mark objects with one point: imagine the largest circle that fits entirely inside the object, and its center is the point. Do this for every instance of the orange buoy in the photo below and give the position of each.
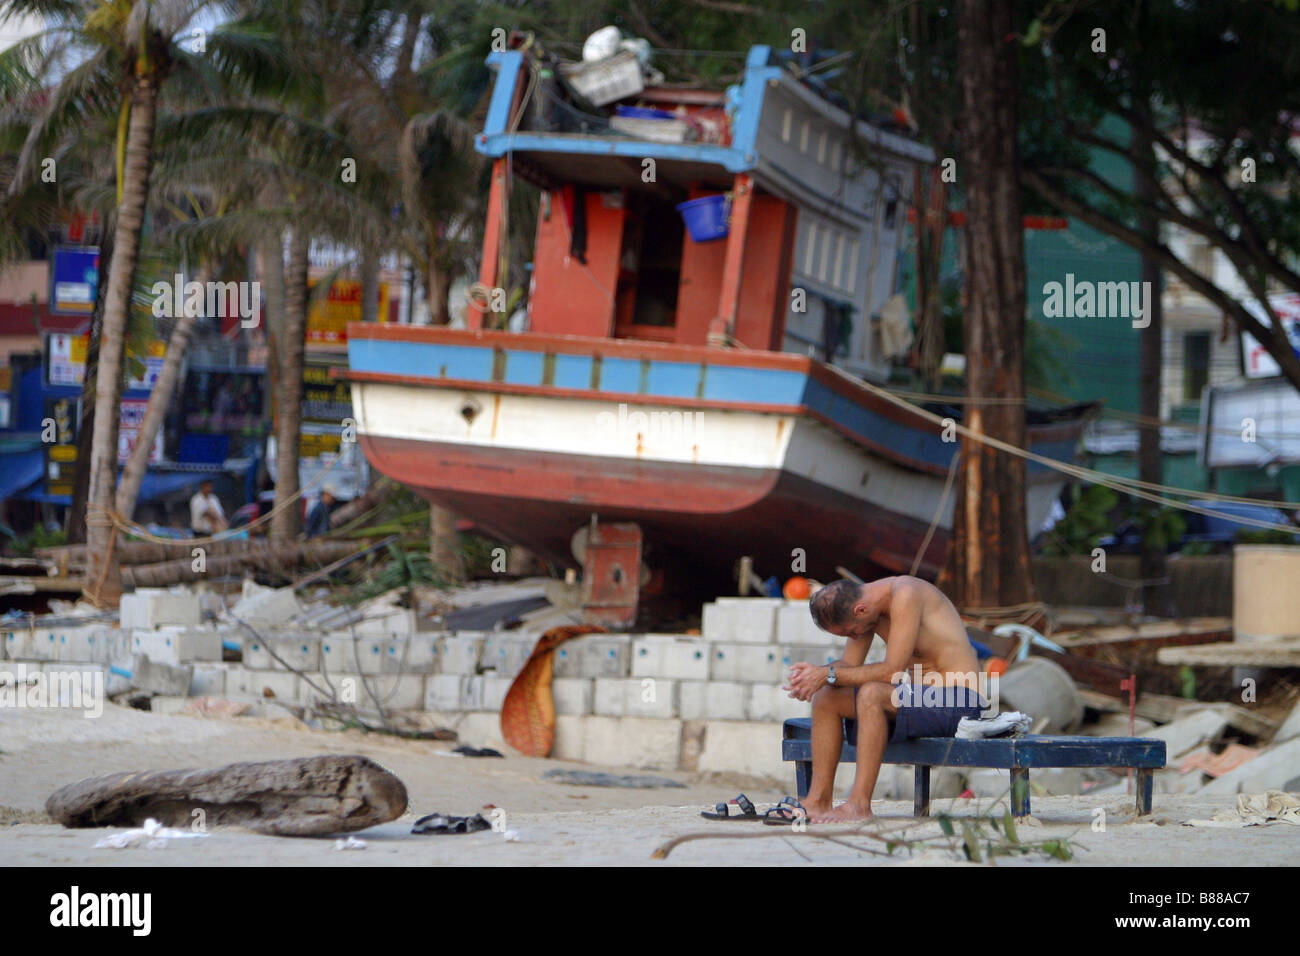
(797, 589)
(995, 666)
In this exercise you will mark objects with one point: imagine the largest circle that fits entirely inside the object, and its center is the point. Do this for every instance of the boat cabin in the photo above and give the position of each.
(761, 216)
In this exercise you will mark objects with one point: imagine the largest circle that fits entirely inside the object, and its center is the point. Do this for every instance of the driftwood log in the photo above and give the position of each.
(307, 796)
(319, 550)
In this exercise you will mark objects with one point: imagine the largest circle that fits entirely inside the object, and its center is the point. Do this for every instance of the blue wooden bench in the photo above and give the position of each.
(1017, 754)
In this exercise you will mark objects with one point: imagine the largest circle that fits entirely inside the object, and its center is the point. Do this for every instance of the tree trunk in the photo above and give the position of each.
(288, 419)
(370, 285)
(988, 561)
(103, 579)
(445, 553)
(76, 520)
(1152, 566)
(437, 285)
(160, 399)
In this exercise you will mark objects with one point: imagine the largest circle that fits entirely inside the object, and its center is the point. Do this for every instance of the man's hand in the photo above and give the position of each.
(806, 680)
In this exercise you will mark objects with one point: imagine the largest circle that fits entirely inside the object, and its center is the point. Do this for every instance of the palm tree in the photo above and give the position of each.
(115, 57)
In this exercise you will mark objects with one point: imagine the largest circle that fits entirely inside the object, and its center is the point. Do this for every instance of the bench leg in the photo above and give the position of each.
(921, 791)
(1020, 792)
(1145, 782)
(802, 777)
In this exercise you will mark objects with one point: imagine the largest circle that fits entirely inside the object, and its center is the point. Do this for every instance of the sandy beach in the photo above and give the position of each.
(554, 823)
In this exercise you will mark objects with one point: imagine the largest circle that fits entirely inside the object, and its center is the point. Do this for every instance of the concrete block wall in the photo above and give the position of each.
(711, 702)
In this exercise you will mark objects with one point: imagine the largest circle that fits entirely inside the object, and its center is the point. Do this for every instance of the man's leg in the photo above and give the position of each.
(830, 706)
(874, 703)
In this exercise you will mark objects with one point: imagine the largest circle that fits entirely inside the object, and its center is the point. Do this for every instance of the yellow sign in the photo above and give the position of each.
(328, 317)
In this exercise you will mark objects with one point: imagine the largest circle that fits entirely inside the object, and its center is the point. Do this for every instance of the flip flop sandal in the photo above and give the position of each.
(440, 823)
(785, 813)
(722, 811)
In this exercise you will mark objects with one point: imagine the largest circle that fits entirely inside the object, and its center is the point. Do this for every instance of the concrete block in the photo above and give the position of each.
(392, 691)
(443, 692)
(744, 747)
(635, 697)
(267, 608)
(506, 653)
(282, 685)
(574, 696)
(410, 654)
(340, 653)
(768, 702)
(208, 680)
(177, 645)
(460, 653)
(1185, 734)
(639, 742)
(483, 692)
(160, 678)
(747, 663)
(794, 625)
(40, 644)
(596, 655)
(673, 658)
(712, 700)
(818, 654)
(1274, 769)
(299, 651)
(148, 608)
(741, 620)
(570, 736)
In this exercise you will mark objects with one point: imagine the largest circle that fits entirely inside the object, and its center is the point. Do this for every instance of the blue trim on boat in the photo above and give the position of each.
(668, 379)
(508, 64)
(572, 371)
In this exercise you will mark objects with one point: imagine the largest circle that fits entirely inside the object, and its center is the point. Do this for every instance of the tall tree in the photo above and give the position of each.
(988, 564)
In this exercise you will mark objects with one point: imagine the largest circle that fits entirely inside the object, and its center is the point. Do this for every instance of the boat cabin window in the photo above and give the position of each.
(650, 269)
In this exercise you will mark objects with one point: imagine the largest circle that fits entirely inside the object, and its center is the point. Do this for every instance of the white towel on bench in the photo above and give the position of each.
(974, 728)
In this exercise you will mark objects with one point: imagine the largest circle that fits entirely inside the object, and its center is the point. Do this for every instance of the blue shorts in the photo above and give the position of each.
(927, 710)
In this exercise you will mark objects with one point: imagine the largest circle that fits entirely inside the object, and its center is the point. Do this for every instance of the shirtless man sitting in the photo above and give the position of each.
(921, 629)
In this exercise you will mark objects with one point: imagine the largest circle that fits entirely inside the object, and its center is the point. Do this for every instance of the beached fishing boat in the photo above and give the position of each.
(696, 391)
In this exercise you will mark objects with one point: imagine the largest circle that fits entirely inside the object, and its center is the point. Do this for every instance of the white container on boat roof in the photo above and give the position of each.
(604, 81)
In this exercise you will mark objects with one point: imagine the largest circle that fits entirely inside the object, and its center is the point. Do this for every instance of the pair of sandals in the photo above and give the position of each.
(783, 814)
(445, 823)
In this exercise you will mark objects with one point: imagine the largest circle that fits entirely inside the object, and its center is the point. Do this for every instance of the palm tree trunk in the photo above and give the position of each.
(103, 574)
(437, 284)
(370, 285)
(160, 400)
(76, 520)
(288, 419)
(445, 553)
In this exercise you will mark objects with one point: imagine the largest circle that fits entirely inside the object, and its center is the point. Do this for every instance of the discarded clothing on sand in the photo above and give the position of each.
(591, 778)
(976, 728)
(1256, 810)
(153, 836)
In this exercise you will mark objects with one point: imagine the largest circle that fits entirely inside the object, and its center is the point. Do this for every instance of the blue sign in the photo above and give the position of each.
(74, 277)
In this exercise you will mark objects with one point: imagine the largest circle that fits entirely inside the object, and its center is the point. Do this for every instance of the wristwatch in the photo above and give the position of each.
(830, 674)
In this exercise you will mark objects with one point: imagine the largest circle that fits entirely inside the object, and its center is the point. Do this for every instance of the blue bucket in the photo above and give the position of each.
(707, 218)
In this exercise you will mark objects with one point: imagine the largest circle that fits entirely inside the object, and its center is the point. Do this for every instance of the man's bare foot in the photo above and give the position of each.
(846, 812)
(815, 810)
